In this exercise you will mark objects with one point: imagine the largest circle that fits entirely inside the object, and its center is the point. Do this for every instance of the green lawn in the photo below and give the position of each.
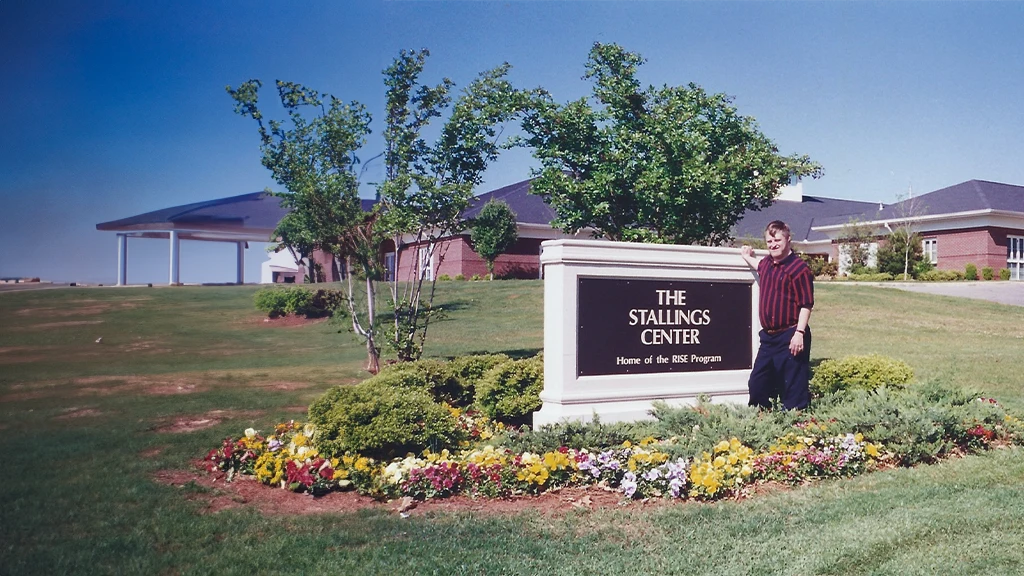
(82, 421)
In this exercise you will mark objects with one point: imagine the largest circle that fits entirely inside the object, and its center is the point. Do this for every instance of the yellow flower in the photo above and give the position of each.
(871, 450)
(722, 446)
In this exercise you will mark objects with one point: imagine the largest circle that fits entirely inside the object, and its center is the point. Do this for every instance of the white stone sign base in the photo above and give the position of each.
(629, 397)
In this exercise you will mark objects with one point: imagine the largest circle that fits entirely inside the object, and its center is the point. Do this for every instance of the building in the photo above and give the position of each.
(454, 256)
(976, 222)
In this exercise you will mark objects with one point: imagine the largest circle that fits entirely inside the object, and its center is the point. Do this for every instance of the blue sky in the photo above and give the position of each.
(113, 108)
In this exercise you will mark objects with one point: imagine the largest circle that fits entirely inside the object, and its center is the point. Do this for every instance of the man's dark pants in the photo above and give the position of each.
(779, 374)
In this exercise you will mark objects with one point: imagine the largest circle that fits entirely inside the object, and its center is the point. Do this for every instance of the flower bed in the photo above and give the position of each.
(288, 459)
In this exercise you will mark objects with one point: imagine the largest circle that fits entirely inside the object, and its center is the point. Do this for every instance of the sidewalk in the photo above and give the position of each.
(1003, 292)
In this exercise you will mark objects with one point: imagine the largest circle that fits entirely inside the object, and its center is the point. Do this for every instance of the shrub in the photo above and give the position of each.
(475, 278)
(820, 266)
(444, 278)
(325, 302)
(510, 391)
(1004, 274)
(871, 276)
(381, 421)
(986, 273)
(430, 376)
(923, 423)
(452, 382)
(594, 435)
(460, 276)
(299, 300)
(860, 372)
(271, 300)
(971, 272)
(699, 428)
(466, 371)
(923, 267)
(941, 276)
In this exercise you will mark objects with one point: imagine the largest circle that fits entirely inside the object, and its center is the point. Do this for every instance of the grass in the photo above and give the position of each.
(77, 416)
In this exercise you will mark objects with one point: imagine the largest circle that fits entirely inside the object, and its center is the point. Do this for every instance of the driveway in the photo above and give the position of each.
(994, 291)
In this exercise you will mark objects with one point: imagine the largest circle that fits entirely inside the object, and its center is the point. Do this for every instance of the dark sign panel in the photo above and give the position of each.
(652, 326)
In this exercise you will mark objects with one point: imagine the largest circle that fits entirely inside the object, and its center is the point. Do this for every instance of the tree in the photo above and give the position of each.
(903, 236)
(426, 189)
(902, 254)
(428, 186)
(855, 240)
(494, 232)
(315, 161)
(667, 165)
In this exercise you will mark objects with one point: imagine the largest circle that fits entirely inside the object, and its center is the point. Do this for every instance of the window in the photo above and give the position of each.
(389, 266)
(930, 247)
(1015, 256)
(426, 264)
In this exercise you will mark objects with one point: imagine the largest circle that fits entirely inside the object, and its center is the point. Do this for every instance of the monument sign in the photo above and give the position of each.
(627, 324)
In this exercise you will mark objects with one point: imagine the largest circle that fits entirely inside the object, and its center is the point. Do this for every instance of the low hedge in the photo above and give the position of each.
(510, 391)
(381, 421)
(941, 276)
(860, 372)
(299, 300)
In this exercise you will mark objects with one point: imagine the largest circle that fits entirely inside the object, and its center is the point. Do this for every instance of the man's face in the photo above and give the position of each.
(778, 244)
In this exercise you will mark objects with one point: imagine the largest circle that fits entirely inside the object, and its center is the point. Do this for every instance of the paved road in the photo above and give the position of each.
(20, 286)
(995, 291)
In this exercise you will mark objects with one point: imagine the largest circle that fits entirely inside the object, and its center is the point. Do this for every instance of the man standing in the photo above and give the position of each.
(782, 367)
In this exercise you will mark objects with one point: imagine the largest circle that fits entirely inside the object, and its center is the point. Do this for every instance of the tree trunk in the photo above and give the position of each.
(373, 355)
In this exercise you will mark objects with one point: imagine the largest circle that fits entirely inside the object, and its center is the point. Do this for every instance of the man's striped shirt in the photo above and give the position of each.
(786, 287)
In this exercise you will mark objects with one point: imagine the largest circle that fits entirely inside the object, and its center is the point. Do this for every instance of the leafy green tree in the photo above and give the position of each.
(429, 185)
(494, 232)
(670, 165)
(315, 160)
(855, 241)
(904, 236)
(901, 255)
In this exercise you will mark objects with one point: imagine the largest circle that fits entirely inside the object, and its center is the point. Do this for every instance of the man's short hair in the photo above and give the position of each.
(776, 226)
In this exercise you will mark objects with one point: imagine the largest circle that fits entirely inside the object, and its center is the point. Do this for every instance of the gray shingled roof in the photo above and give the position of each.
(528, 208)
(967, 196)
(257, 212)
(801, 216)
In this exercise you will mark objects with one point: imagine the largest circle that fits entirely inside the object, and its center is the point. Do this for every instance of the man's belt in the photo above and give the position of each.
(778, 330)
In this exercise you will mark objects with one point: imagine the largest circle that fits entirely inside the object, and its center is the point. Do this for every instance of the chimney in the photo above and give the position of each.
(792, 192)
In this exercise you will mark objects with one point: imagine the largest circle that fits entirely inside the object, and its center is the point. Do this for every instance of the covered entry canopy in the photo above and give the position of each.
(239, 219)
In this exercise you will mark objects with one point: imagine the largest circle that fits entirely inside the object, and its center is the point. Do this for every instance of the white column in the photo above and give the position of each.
(175, 259)
(240, 268)
(122, 259)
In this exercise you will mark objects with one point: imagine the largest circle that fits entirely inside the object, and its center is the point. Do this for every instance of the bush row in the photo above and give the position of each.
(932, 275)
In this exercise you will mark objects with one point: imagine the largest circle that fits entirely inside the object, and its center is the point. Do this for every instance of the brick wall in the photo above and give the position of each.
(521, 261)
(979, 246)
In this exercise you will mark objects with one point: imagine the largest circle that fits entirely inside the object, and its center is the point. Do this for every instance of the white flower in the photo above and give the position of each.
(250, 432)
